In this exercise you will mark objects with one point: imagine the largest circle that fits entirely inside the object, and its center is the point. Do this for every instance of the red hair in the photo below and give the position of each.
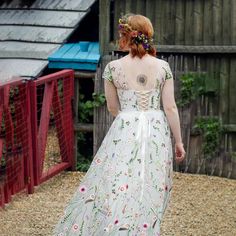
(136, 24)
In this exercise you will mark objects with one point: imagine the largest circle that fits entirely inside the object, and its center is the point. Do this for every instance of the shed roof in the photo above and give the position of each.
(80, 56)
(30, 33)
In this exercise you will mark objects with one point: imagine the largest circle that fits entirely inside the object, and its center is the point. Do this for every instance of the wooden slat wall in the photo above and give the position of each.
(187, 22)
(193, 23)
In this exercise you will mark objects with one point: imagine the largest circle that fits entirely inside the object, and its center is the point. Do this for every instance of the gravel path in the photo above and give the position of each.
(200, 206)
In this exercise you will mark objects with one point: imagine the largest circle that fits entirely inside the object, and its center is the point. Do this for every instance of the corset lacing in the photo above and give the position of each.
(143, 131)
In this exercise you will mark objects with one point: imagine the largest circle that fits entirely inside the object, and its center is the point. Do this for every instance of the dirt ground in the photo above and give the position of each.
(200, 206)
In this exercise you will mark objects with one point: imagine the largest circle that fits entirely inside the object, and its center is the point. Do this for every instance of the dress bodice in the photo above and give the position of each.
(137, 84)
(137, 100)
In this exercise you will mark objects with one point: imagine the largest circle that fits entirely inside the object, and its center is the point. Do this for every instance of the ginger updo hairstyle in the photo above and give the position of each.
(136, 32)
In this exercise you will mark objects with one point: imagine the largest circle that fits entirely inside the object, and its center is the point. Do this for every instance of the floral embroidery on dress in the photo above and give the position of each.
(129, 183)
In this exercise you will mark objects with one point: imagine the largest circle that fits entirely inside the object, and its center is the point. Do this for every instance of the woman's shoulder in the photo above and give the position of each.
(115, 61)
(161, 61)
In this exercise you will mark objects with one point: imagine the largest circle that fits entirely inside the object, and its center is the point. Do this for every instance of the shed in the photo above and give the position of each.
(32, 30)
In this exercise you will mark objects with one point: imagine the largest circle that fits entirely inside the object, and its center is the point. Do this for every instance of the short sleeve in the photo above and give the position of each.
(107, 73)
(168, 72)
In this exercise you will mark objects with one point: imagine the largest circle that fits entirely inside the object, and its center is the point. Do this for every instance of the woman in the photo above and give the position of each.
(128, 185)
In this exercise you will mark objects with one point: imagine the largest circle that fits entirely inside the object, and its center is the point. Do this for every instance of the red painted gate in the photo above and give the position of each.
(51, 96)
(15, 140)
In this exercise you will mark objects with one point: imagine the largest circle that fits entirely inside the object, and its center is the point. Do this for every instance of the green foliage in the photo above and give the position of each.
(83, 163)
(85, 112)
(211, 130)
(86, 107)
(192, 86)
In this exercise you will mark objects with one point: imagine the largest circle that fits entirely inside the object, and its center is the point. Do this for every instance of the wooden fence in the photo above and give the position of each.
(175, 22)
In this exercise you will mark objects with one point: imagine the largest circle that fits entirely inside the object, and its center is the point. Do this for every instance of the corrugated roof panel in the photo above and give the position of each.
(26, 50)
(78, 5)
(34, 34)
(41, 17)
(16, 67)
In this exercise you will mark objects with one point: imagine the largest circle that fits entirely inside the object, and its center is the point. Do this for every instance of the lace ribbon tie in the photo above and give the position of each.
(142, 136)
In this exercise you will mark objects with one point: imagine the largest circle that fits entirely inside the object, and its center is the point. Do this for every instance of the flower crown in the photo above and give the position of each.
(138, 36)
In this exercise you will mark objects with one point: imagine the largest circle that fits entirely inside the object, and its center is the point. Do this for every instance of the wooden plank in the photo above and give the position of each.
(158, 22)
(34, 34)
(118, 9)
(189, 49)
(44, 122)
(233, 22)
(229, 128)
(163, 14)
(60, 52)
(73, 65)
(40, 18)
(207, 26)
(150, 11)
(217, 22)
(140, 7)
(72, 53)
(128, 7)
(197, 23)
(226, 29)
(224, 85)
(188, 31)
(104, 25)
(211, 83)
(83, 127)
(232, 92)
(60, 5)
(26, 50)
(179, 23)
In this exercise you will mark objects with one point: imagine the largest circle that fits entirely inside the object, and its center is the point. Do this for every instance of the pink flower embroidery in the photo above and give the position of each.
(83, 189)
(123, 187)
(75, 227)
(116, 221)
(145, 225)
(98, 160)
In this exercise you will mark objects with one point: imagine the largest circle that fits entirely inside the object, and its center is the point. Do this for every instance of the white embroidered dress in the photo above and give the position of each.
(128, 185)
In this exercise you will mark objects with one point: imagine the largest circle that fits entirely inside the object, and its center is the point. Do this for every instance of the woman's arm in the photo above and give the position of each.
(171, 110)
(112, 99)
(113, 104)
(169, 105)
